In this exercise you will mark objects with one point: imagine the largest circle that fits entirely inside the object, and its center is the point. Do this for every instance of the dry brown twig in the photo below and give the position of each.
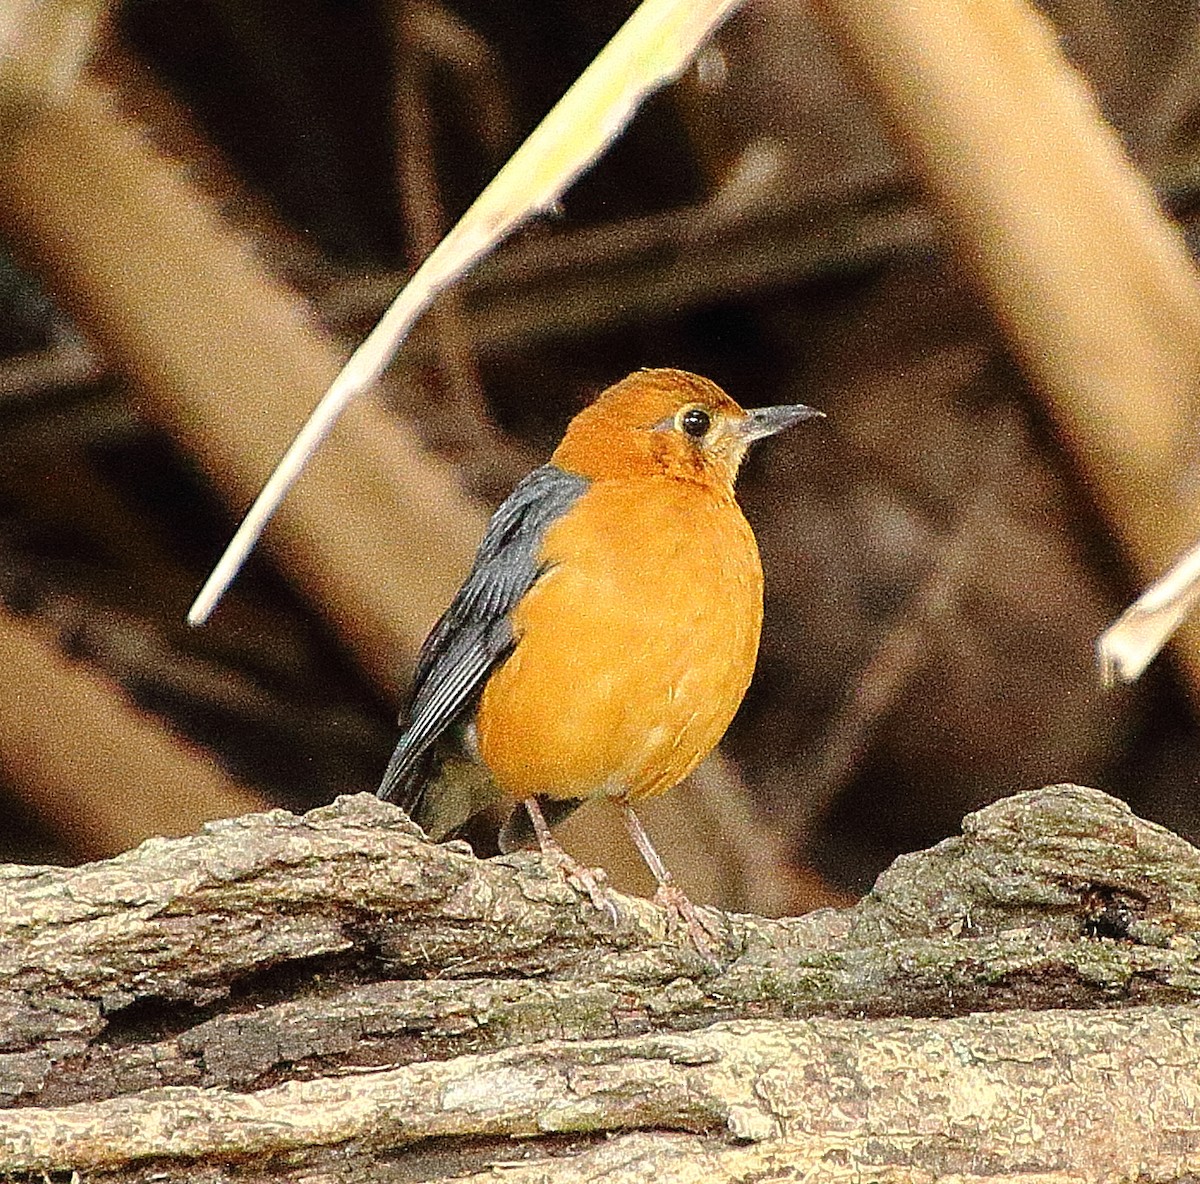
(904, 648)
(424, 220)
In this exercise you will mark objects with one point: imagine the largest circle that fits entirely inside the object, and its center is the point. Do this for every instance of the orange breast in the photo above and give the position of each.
(635, 648)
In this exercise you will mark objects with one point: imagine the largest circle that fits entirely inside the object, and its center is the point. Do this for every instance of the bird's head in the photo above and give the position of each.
(669, 423)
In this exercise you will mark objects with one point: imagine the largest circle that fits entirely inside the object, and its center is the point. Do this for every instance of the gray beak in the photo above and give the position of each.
(766, 421)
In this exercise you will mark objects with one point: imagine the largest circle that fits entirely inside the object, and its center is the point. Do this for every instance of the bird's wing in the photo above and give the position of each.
(475, 633)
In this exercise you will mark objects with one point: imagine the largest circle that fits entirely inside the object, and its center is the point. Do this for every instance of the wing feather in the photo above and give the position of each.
(475, 633)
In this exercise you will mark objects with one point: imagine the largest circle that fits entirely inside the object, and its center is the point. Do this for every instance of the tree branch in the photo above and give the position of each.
(337, 989)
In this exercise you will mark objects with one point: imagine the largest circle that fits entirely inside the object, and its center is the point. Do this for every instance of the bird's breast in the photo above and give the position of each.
(634, 647)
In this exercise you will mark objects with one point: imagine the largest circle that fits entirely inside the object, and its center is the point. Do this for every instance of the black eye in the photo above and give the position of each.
(695, 422)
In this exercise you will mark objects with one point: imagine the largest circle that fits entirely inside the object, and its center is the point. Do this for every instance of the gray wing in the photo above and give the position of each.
(475, 633)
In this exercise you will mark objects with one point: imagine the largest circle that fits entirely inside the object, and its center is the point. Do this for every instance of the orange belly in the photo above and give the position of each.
(634, 648)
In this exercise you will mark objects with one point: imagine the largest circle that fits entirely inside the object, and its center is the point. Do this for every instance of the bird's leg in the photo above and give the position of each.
(702, 931)
(583, 877)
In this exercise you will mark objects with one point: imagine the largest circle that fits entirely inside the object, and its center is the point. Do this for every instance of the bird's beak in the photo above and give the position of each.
(766, 421)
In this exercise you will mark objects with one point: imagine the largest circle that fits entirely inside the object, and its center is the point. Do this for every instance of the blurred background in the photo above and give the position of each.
(205, 204)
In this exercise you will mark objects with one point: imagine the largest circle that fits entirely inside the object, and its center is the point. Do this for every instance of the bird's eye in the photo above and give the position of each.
(694, 422)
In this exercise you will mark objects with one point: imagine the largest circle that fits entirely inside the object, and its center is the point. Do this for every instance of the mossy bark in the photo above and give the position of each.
(283, 997)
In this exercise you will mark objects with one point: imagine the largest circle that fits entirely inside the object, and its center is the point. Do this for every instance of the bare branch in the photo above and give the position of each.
(334, 985)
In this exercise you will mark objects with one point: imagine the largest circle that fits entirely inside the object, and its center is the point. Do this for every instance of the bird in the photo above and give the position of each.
(606, 633)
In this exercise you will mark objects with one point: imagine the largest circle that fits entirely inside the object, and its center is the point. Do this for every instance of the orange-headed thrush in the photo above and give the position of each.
(608, 630)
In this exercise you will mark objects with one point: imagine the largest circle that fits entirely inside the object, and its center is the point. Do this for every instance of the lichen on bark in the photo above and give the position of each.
(328, 994)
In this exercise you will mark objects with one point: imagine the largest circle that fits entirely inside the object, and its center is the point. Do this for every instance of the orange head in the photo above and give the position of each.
(668, 423)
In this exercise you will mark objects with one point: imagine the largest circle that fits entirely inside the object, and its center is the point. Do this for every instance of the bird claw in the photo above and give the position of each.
(589, 880)
(585, 879)
(704, 932)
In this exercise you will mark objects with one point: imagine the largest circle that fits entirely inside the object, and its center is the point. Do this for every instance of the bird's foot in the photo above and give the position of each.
(591, 880)
(703, 931)
(705, 935)
(585, 879)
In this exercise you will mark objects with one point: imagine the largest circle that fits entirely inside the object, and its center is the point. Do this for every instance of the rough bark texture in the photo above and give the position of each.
(319, 997)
